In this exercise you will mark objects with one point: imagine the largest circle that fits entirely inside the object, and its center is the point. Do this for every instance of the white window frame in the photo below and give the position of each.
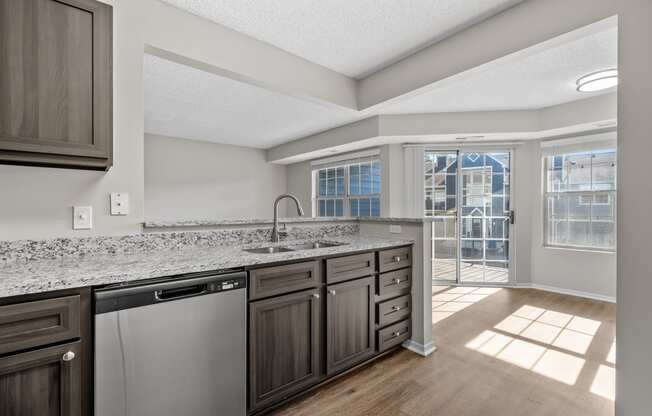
(318, 198)
(588, 193)
(347, 197)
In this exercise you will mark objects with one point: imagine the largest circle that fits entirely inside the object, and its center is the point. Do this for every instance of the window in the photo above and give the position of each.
(331, 192)
(352, 189)
(580, 200)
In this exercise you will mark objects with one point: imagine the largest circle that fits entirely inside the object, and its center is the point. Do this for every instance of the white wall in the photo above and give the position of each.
(392, 180)
(299, 184)
(634, 334)
(188, 179)
(524, 176)
(37, 201)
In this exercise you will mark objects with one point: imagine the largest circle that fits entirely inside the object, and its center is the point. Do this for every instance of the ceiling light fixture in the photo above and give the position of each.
(598, 81)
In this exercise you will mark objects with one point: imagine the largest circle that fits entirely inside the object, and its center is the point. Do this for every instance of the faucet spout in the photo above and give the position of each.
(275, 233)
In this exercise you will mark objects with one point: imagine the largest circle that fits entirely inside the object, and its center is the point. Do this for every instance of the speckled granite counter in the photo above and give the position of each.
(269, 221)
(47, 274)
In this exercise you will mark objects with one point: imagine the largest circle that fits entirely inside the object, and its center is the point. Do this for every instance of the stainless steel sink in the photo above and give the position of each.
(310, 245)
(267, 250)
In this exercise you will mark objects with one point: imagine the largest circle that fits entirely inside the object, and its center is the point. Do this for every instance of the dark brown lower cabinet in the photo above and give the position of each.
(300, 340)
(45, 382)
(349, 324)
(284, 346)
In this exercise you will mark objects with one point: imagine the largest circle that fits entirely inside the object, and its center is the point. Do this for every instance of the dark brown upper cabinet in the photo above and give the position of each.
(56, 87)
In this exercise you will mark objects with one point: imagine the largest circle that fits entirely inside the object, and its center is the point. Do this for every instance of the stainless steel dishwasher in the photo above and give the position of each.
(171, 347)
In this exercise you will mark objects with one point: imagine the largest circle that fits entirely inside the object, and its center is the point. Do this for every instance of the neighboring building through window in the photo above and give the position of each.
(352, 189)
(580, 200)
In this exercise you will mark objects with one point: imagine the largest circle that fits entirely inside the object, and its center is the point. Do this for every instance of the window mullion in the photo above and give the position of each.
(346, 205)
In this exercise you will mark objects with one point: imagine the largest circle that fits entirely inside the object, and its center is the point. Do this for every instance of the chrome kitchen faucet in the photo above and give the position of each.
(275, 232)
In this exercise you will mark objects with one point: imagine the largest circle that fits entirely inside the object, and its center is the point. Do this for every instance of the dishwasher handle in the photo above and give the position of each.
(115, 298)
(164, 295)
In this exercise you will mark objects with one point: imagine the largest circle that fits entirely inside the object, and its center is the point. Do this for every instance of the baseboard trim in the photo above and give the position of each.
(423, 350)
(571, 292)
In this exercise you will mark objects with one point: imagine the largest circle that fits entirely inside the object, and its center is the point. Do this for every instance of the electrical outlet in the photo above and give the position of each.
(395, 229)
(82, 218)
(119, 203)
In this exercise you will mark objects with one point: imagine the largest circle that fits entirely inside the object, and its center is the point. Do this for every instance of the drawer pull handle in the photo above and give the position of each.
(315, 295)
(397, 259)
(332, 292)
(397, 334)
(69, 356)
(397, 281)
(396, 308)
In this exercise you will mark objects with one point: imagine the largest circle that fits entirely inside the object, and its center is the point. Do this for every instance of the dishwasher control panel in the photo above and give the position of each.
(230, 284)
(169, 289)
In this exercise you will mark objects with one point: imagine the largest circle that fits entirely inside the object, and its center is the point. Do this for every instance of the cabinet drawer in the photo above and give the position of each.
(394, 310)
(270, 281)
(350, 267)
(394, 335)
(32, 324)
(394, 282)
(394, 259)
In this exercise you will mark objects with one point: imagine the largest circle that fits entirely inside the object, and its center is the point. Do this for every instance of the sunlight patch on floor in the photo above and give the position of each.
(611, 357)
(530, 356)
(547, 342)
(562, 330)
(447, 301)
(604, 382)
(559, 366)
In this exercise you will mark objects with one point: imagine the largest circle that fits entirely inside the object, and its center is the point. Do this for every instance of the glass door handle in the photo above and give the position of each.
(512, 217)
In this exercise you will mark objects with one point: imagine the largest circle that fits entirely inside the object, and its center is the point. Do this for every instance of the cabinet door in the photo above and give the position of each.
(349, 324)
(56, 83)
(44, 382)
(284, 346)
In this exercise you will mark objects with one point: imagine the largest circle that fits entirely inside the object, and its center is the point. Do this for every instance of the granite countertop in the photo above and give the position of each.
(26, 277)
(269, 221)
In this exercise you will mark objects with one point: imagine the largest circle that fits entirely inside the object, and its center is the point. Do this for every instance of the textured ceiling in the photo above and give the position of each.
(538, 80)
(182, 101)
(353, 37)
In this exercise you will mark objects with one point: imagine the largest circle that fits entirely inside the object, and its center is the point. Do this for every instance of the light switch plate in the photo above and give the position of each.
(82, 218)
(119, 203)
(395, 229)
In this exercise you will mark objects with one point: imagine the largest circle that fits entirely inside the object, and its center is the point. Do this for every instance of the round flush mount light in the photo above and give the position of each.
(598, 81)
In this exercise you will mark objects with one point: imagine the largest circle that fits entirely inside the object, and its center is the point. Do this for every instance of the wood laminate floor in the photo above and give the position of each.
(500, 352)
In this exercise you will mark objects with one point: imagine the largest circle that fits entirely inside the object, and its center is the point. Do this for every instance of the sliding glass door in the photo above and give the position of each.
(441, 205)
(468, 197)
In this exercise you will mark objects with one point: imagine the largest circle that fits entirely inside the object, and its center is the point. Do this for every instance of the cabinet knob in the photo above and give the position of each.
(69, 356)
(397, 259)
(396, 334)
(332, 292)
(397, 308)
(397, 281)
(315, 295)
